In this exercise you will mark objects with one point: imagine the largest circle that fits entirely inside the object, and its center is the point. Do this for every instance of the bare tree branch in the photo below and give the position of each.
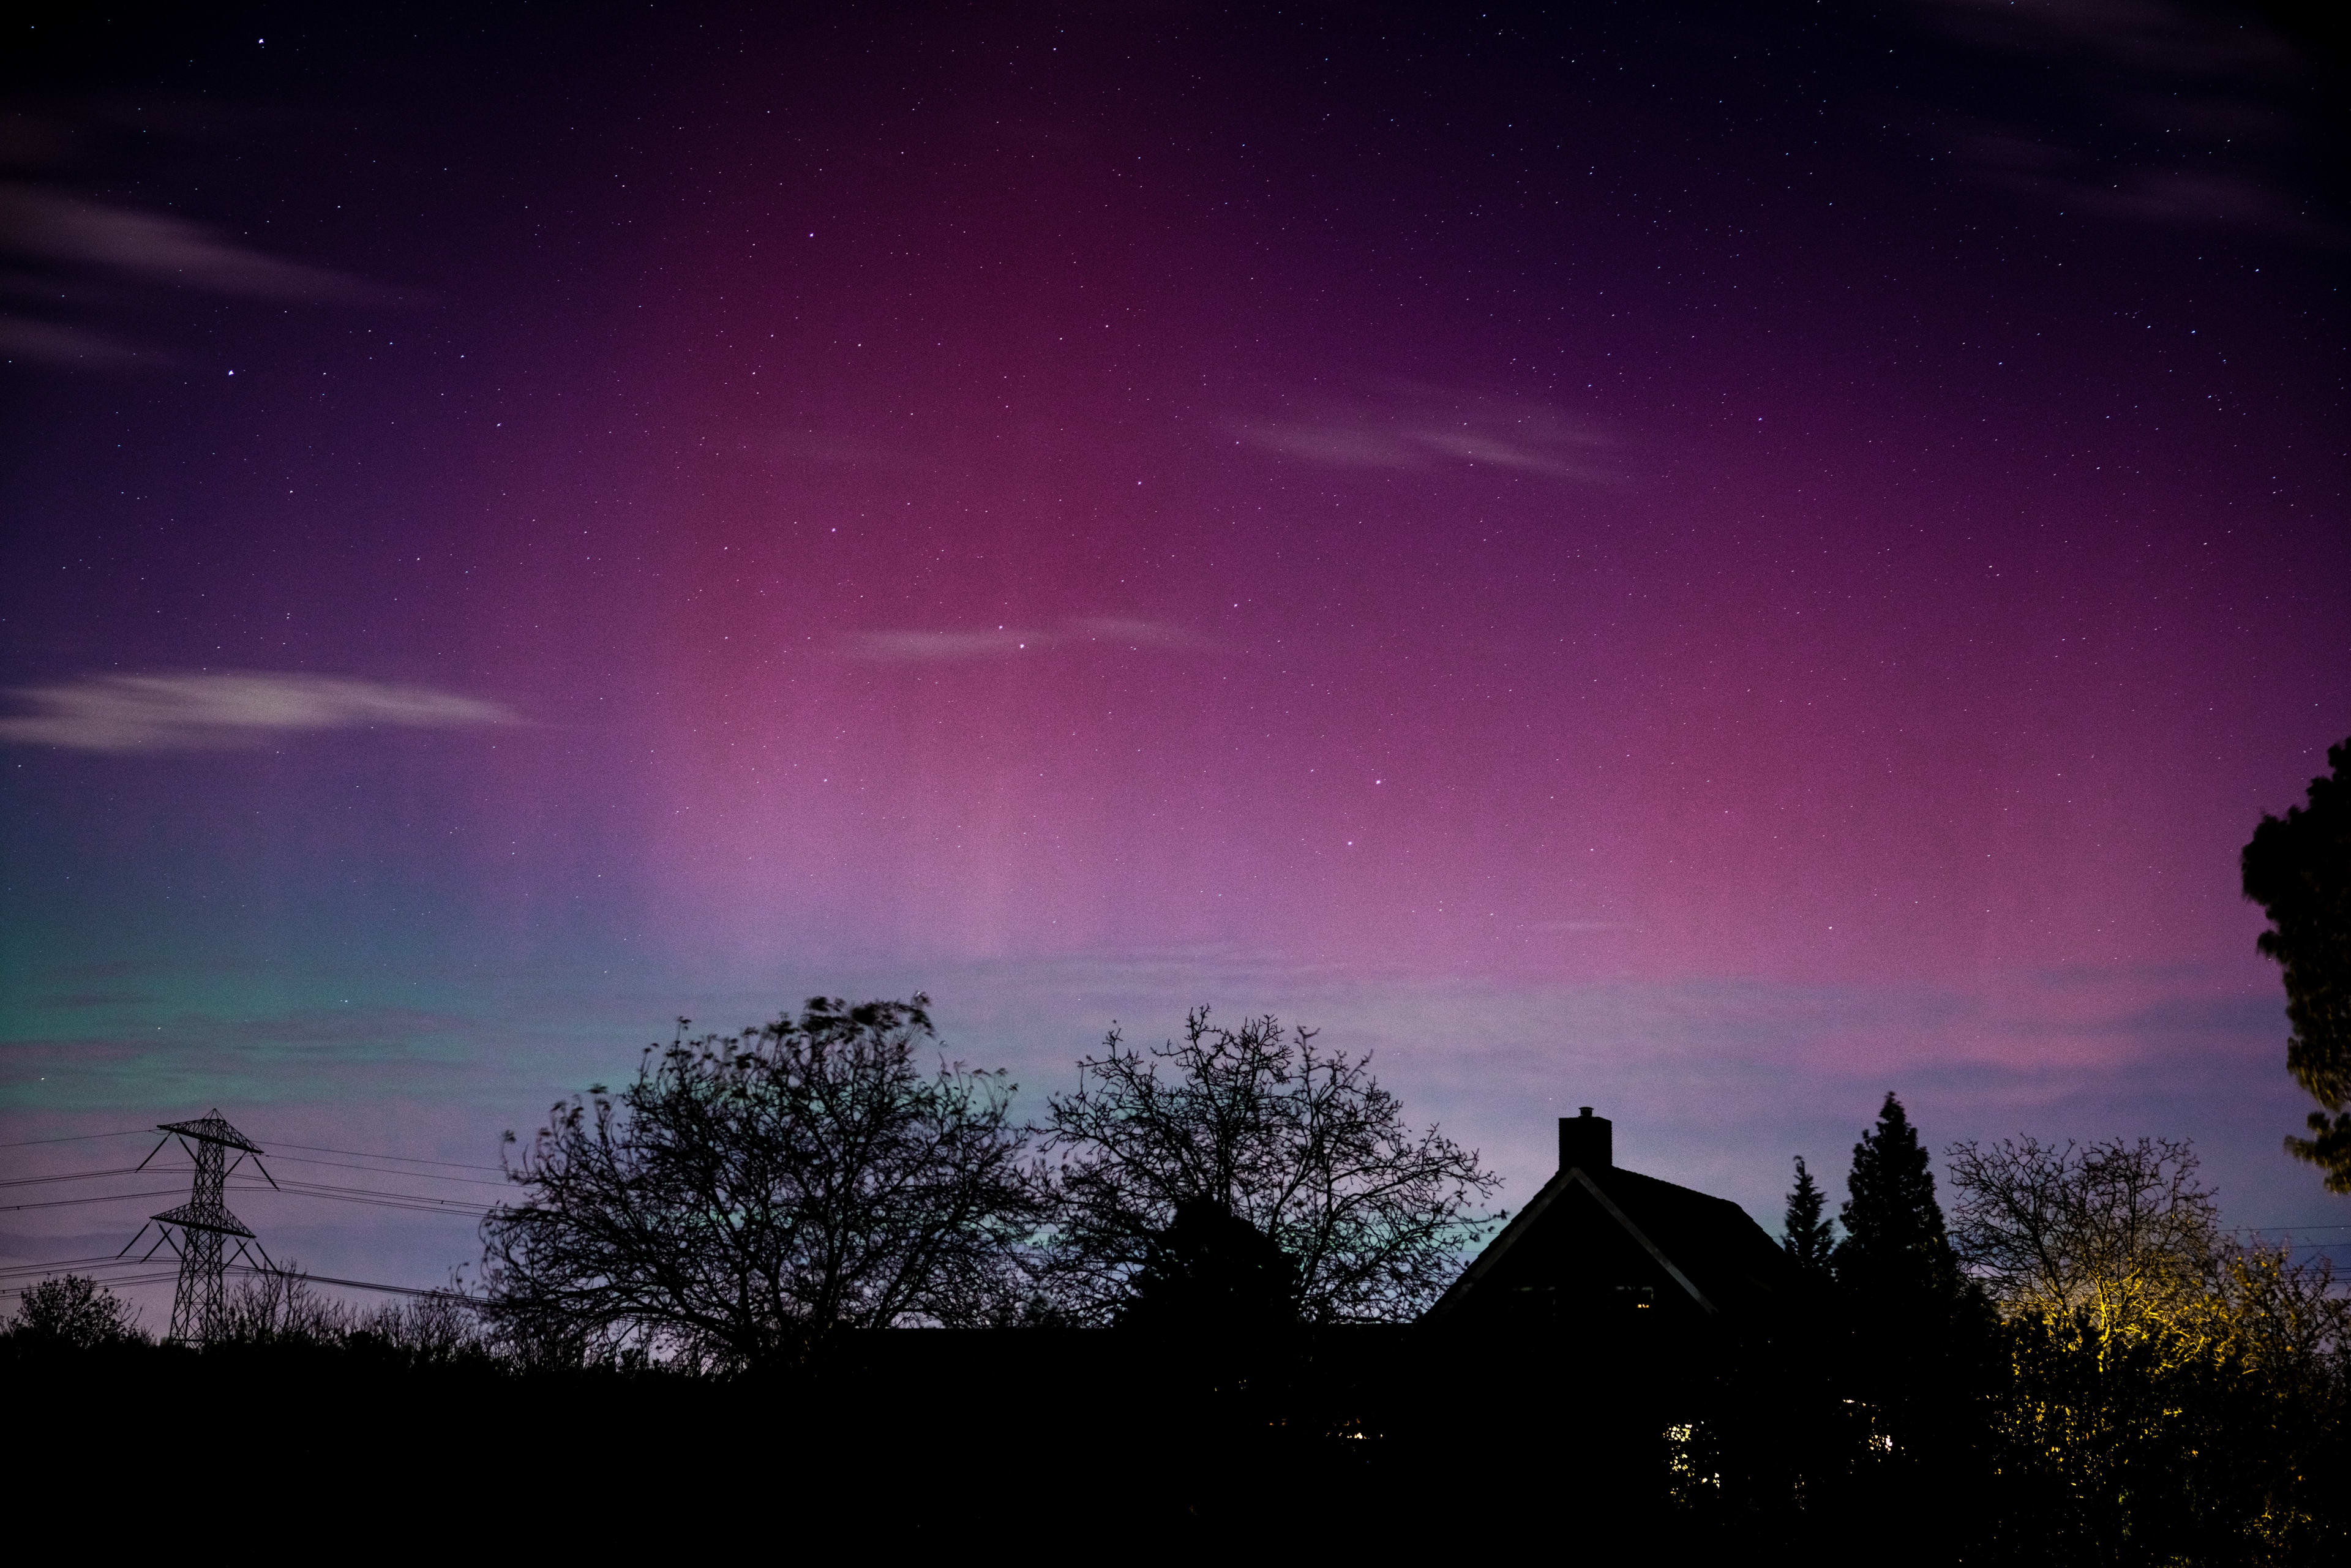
(750, 1192)
(1301, 1144)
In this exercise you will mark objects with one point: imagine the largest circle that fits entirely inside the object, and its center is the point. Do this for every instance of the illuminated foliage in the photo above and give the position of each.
(2171, 1394)
(2120, 1232)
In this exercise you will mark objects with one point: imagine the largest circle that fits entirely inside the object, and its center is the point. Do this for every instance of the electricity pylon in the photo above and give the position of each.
(207, 1227)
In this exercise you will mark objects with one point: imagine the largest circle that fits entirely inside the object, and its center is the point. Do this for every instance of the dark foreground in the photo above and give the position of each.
(1078, 1444)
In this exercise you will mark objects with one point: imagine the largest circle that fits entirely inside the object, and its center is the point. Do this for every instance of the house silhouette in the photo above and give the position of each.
(1600, 1242)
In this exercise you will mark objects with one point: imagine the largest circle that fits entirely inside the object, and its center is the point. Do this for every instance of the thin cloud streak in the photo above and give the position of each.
(203, 711)
(55, 245)
(2136, 73)
(909, 646)
(1411, 427)
(47, 226)
(52, 343)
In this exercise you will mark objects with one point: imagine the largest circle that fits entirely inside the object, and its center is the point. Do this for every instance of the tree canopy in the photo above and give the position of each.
(1301, 1144)
(1212, 1272)
(74, 1311)
(2298, 869)
(749, 1193)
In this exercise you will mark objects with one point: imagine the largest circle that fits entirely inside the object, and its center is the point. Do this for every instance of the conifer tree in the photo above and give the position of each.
(1921, 1330)
(1895, 1246)
(1810, 1234)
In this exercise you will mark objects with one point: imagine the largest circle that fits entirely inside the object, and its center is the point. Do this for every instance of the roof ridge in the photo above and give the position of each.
(1525, 1219)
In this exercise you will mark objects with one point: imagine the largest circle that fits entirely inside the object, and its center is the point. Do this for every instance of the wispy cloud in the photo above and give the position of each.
(906, 646)
(2139, 36)
(51, 227)
(910, 647)
(22, 338)
(66, 254)
(1118, 632)
(2164, 113)
(1405, 426)
(2221, 192)
(182, 711)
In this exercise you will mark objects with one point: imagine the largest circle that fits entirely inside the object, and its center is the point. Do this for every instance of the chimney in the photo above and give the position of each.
(1586, 1140)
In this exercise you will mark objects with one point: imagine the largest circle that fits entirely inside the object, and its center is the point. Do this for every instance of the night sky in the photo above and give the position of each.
(1706, 561)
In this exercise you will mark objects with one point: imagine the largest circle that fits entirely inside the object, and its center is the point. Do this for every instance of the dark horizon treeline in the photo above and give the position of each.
(1837, 1432)
(2074, 1365)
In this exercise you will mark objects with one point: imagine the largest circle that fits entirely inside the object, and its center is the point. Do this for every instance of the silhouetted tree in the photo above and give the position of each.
(1809, 1235)
(2298, 869)
(1302, 1146)
(1212, 1272)
(1895, 1252)
(74, 1312)
(750, 1192)
(277, 1306)
(1914, 1341)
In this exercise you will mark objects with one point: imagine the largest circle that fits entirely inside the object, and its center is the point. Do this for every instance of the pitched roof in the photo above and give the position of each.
(1714, 1254)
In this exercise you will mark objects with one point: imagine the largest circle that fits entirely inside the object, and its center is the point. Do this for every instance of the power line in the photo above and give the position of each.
(320, 1187)
(208, 1233)
(407, 1159)
(414, 1202)
(310, 1148)
(290, 1186)
(109, 1274)
(457, 1296)
(417, 1201)
(76, 1137)
(69, 1202)
(2293, 1227)
(126, 1283)
(154, 1277)
(425, 1176)
(63, 1263)
(69, 1176)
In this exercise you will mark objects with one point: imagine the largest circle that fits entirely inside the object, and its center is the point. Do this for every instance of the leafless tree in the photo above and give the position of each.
(1300, 1143)
(750, 1192)
(438, 1326)
(277, 1306)
(2122, 1230)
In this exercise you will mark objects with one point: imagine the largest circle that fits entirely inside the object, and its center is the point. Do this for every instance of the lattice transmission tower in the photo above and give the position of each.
(208, 1234)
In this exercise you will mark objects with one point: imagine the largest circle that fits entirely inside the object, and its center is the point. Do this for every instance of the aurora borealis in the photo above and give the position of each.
(1710, 561)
